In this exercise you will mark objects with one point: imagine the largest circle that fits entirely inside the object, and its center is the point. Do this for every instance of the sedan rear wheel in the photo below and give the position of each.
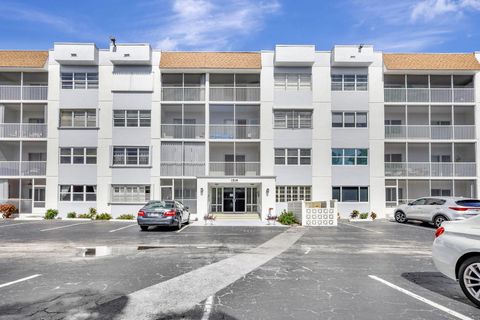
(400, 217)
(470, 279)
(438, 221)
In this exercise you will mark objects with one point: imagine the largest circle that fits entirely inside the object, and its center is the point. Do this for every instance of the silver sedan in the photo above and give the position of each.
(456, 254)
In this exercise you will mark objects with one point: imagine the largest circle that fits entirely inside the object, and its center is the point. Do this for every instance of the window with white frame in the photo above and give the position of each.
(78, 155)
(293, 193)
(131, 118)
(349, 157)
(293, 81)
(86, 118)
(130, 193)
(78, 193)
(292, 119)
(349, 120)
(131, 156)
(350, 194)
(349, 82)
(79, 80)
(292, 156)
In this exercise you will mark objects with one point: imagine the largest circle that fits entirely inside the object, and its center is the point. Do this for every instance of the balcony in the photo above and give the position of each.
(235, 87)
(183, 94)
(222, 169)
(234, 131)
(234, 94)
(457, 95)
(187, 169)
(31, 93)
(460, 132)
(183, 131)
(23, 168)
(23, 130)
(430, 169)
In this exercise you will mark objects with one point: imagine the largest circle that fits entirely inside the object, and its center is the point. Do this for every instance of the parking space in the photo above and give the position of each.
(379, 270)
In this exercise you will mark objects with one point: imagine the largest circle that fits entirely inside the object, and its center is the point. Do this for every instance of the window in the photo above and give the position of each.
(78, 155)
(131, 156)
(78, 119)
(292, 119)
(293, 193)
(292, 156)
(78, 193)
(393, 157)
(131, 118)
(349, 157)
(349, 82)
(350, 194)
(293, 81)
(79, 80)
(349, 120)
(130, 193)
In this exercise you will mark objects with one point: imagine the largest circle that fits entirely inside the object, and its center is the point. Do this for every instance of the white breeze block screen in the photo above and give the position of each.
(315, 213)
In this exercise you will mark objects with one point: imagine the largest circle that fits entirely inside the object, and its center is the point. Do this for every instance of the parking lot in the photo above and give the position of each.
(379, 270)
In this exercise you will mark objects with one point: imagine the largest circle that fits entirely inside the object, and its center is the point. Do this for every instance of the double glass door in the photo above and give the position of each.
(233, 200)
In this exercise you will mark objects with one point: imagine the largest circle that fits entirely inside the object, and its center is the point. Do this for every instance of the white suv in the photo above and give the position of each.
(438, 209)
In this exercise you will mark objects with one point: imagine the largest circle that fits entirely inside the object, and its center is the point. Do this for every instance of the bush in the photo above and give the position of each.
(287, 218)
(7, 210)
(71, 215)
(126, 217)
(354, 214)
(92, 212)
(103, 216)
(84, 216)
(364, 215)
(51, 214)
(373, 215)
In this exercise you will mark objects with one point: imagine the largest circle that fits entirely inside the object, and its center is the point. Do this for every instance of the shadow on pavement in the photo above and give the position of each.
(438, 283)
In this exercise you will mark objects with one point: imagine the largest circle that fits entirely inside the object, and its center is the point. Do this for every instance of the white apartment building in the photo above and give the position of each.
(235, 132)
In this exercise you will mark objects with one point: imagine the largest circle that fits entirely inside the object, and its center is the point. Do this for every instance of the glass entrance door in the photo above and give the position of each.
(228, 199)
(233, 200)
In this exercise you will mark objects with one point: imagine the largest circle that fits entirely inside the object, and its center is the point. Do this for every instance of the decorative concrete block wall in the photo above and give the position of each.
(315, 213)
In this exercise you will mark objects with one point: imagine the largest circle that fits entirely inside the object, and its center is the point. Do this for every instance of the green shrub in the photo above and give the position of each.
(71, 215)
(364, 215)
(51, 214)
(92, 212)
(373, 215)
(287, 218)
(103, 216)
(354, 214)
(126, 217)
(84, 216)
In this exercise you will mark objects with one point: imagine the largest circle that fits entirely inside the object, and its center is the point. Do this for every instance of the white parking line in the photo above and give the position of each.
(420, 298)
(208, 308)
(17, 224)
(183, 228)
(351, 225)
(70, 225)
(19, 280)
(123, 227)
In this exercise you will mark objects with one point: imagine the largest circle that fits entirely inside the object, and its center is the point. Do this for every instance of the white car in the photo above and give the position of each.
(456, 254)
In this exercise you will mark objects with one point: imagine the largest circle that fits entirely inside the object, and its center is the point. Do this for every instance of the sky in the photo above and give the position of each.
(244, 25)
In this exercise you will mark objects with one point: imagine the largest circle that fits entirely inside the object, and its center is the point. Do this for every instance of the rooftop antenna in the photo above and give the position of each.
(360, 47)
(114, 43)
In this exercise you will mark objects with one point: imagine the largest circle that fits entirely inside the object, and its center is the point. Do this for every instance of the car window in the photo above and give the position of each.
(160, 205)
(469, 203)
(419, 202)
(435, 202)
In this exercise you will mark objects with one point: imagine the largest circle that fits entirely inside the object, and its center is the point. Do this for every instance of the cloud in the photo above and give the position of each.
(210, 24)
(431, 9)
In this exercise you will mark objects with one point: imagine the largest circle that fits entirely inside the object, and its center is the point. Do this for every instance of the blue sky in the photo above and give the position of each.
(396, 26)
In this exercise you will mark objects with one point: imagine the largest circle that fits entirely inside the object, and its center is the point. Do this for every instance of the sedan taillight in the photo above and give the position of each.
(439, 232)
(458, 208)
(141, 213)
(171, 213)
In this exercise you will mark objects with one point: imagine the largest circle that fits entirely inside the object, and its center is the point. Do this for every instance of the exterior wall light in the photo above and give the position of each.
(201, 191)
(267, 191)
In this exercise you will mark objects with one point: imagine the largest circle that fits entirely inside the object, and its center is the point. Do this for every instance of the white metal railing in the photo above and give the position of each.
(187, 169)
(429, 95)
(460, 132)
(23, 168)
(234, 169)
(183, 131)
(23, 130)
(235, 94)
(183, 94)
(130, 198)
(430, 169)
(18, 92)
(219, 131)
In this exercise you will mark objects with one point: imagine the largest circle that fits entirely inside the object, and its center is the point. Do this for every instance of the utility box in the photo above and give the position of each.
(315, 213)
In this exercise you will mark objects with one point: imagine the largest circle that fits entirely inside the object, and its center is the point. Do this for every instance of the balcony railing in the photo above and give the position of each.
(221, 169)
(18, 92)
(234, 94)
(430, 169)
(183, 94)
(185, 131)
(429, 95)
(460, 132)
(187, 169)
(23, 168)
(218, 131)
(23, 130)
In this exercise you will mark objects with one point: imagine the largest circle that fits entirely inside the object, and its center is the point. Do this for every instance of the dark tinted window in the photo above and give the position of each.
(435, 202)
(419, 202)
(160, 205)
(469, 203)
